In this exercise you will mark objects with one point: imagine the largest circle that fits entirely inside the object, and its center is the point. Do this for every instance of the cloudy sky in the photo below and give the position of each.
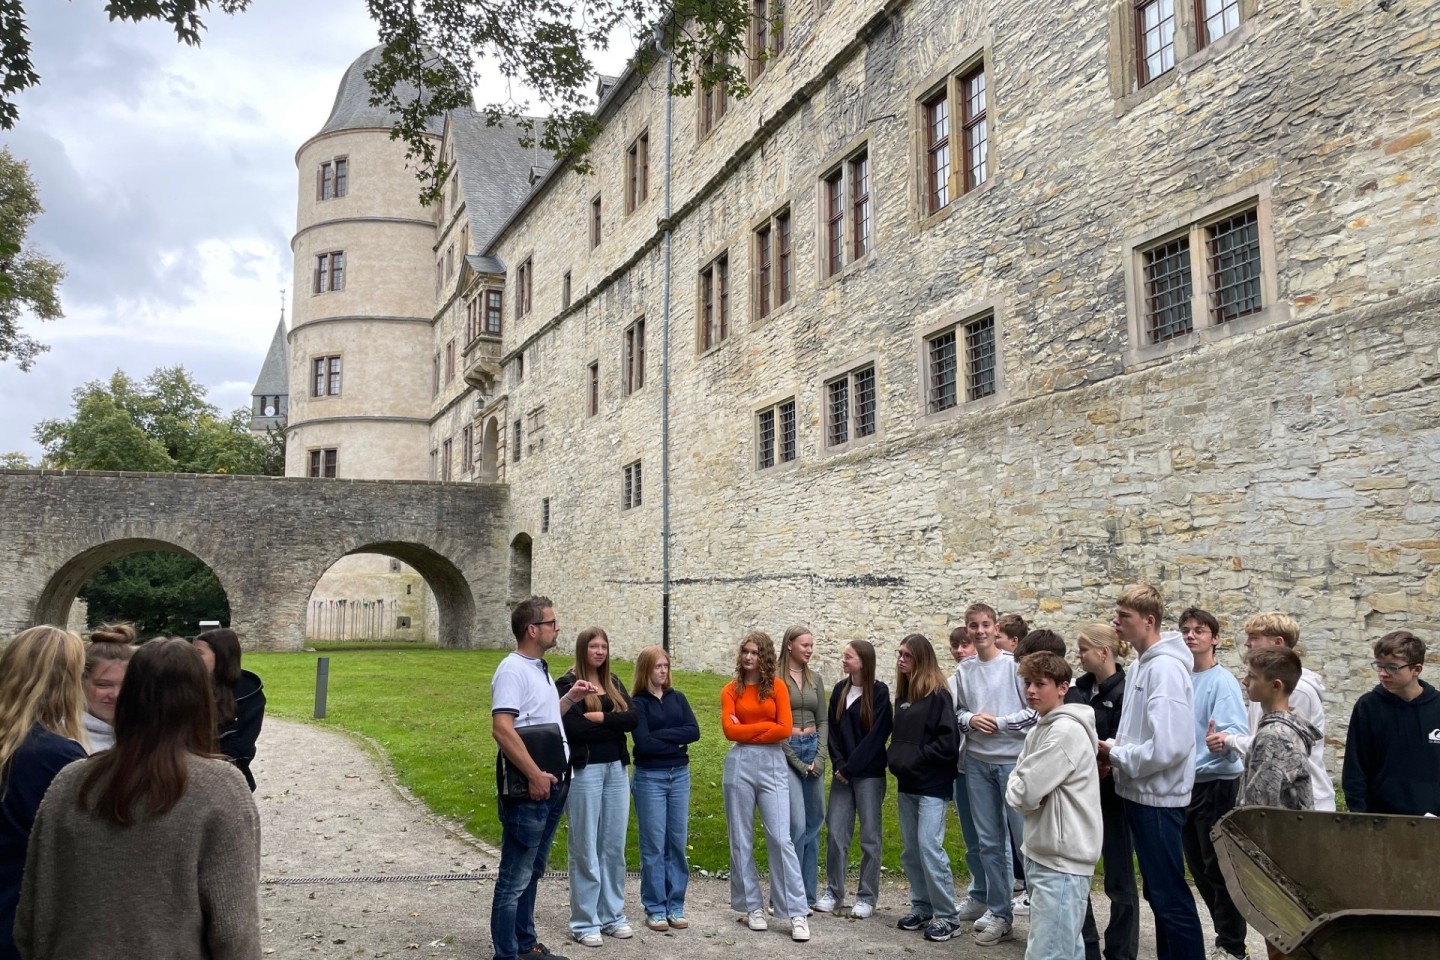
(167, 174)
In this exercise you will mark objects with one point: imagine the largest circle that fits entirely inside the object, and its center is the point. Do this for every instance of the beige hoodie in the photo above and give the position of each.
(1056, 785)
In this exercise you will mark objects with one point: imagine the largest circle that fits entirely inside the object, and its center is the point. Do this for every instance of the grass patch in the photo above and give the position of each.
(430, 711)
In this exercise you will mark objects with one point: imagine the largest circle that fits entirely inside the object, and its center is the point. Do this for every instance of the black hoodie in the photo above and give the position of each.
(1106, 702)
(925, 745)
(237, 739)
(1392, 753)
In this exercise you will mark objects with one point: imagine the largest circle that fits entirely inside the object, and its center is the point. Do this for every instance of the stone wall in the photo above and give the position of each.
(1284, 462)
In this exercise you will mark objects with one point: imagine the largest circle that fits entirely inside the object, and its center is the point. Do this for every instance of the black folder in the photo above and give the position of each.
(546, 746)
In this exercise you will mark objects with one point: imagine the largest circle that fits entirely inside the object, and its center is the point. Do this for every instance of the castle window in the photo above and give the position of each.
(330, 272)
(493, 311)
(595, 222)
(516, 438)
(565, 291)
(435, 374)
(592, 389)
(324, 463)
(715, 303)
(846, 239)
(524, 277)
(955, 161)
(333, 179)
(961, 363)
(326, 372)
(633, 372)
(1154, 38)
(714, 100)
(630, 486)
(775, 434)
(772, 270)
(545, 515)
(450, 361)
(767, 34)
(467, 448)
(1217, 18)
(637, 172)
(850, 407)
(445, 458)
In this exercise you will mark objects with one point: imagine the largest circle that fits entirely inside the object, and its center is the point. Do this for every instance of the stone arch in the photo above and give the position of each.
(60, 591)
(520, 557)
(490, 452)
(454, 599)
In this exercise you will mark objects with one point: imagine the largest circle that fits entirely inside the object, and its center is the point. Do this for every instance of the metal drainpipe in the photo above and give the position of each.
(665, 379)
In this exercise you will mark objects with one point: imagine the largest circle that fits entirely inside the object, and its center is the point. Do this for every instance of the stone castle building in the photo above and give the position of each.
(966, 300)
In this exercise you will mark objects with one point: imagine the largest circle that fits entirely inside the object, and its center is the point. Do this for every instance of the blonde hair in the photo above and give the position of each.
(1144, 600)
(791, 635)
(40, 675)
(645, 665)
(1280, 625)
(1103, 635)
(601, 676)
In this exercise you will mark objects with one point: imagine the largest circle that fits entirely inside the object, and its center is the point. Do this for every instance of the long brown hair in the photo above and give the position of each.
(601, 677)
(765, 689)
(925, 676)
(645, 665)
(791, 635)
(40, 675)
(865, 650)
(165, 713)
(224, 643)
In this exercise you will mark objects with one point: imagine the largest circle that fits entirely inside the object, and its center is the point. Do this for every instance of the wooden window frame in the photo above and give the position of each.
(323, 463)
(773, 259)
(632, 368)
(713, 103)
(637, 172)
(713, 316)
(945, 173)
(524, 286)
(596, 221)
(840, 204)
(329, 276)
(332, 179)
(592, 389)
(326, 375)
(494, 312)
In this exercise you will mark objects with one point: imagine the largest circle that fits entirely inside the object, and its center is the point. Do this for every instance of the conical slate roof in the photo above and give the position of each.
(353, 111)
(274, 379)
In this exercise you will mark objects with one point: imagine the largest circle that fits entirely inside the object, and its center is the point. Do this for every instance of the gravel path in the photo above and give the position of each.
(331, 813)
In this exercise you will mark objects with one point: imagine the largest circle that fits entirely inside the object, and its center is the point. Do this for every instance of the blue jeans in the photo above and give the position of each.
(986, 782)
(1057, 911)
(922, 854)
(599, 814)
(527, 827)
(807, 813)
(662, 812)
(973, 863)
(1156, 832)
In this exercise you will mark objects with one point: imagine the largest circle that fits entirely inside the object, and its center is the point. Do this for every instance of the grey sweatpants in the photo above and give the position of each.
(757, 775)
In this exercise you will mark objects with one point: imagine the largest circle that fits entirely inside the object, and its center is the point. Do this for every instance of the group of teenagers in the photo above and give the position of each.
(1049, 773)
(127, 821)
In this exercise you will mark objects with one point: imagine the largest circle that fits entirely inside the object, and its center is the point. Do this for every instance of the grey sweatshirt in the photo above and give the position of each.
(992, 688)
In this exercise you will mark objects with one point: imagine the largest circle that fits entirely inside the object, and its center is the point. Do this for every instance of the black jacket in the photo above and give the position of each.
(855, 753)
(925, 746)
(1392, 754)
(237, 738)
(664, 729)
(1107, 704)
(592, 742)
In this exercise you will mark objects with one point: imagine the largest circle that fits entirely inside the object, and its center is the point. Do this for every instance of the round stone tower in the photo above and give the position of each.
(360, 340)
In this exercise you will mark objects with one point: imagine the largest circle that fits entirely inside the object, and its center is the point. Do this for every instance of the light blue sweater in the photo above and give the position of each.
(1218, 697)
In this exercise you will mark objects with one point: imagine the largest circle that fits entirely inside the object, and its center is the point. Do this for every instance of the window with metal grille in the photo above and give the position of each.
(765, 438)
(980, 358)
(1155, 38)
(1217, 18)
(941, 369)
(515, 437)
(630, 488)
(937, 151)
(788, 442)
(545, 515)
(973, 99)
(1233, 254)
(837, 412)
(327, 376)
(1168, 287)
(864, 391)
(850, 406)
(776, 434)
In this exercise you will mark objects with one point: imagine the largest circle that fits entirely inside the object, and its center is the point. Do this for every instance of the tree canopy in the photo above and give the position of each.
(27, 279)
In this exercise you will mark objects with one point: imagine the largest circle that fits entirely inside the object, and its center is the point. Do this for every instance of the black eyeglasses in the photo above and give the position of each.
(1390, 669)
(546, 623)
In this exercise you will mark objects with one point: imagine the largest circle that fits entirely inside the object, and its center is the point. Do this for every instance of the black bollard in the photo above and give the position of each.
(322, 684)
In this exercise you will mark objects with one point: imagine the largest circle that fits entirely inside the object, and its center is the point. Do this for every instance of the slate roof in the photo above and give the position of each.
(274, 379)
(495, 171)
(352, 109)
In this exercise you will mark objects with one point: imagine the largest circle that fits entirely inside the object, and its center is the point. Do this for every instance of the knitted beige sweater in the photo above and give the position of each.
(184, 886)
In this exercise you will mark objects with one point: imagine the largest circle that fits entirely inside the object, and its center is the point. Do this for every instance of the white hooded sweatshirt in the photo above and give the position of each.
(1056, 785)
(1153, 753)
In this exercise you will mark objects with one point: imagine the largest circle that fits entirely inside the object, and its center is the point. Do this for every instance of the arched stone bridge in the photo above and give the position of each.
(268, 540)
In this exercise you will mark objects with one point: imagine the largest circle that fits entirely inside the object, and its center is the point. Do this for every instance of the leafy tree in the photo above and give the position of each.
(15, 460)
(162, 424)
(27, 279)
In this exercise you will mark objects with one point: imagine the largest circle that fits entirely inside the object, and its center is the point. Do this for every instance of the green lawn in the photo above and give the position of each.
(430, 711)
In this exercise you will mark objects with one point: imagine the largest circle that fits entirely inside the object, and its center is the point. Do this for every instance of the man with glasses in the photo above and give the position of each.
(1392, 751)
(523, 697)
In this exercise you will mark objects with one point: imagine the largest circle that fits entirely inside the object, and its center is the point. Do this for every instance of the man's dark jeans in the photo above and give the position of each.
(1122, 933)
(527, 828)
(1156, 832)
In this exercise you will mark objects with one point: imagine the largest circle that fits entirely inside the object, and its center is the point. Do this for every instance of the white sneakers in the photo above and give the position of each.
(861, 910)
(755, 920)
(621, 931)
(799, 929)
(970, 909)
(995, 931)
(590, 940)
(1020, 906)
(826, 903)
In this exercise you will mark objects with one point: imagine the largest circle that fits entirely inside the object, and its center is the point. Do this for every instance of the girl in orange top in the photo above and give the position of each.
(755, 715)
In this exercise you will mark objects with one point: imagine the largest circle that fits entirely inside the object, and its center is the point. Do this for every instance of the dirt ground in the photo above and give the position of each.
(350, 868)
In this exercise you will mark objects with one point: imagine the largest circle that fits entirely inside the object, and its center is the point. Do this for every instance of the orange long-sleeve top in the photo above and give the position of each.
(765, 721)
